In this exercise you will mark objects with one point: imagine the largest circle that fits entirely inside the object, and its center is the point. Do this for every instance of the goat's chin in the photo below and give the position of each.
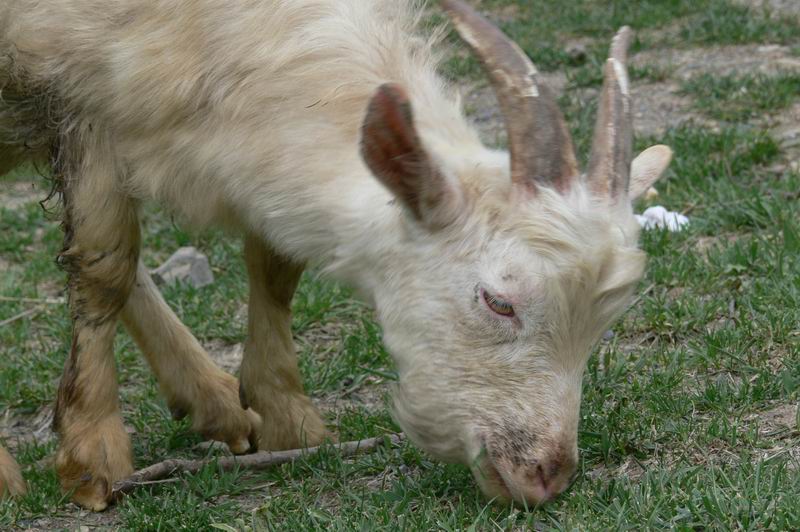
(428, 426)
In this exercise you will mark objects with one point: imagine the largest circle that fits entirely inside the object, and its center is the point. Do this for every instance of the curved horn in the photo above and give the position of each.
(609, 164)
(538, 139)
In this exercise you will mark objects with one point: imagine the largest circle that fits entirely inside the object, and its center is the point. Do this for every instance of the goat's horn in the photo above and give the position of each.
(609, 164)
(538, 139)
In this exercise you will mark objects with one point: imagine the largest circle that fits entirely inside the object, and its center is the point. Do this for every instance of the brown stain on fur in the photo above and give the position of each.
(68, 391)
(512, 443)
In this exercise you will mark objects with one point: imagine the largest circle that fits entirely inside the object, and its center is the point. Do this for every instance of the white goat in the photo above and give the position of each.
(290, 121)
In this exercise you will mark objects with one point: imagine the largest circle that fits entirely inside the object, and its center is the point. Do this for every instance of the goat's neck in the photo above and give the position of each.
(348, 225)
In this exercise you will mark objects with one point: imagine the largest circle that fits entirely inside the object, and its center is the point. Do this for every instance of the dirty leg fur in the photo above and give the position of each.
(192, 384)
(11, 483)
(94, 450)
(270, 380)
(101, 247)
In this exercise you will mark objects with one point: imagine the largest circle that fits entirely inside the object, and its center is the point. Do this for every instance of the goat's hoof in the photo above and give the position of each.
(89, 490)
(292, 424)
(11, 483)
(218, 415)
(92, 495)
(89, 462)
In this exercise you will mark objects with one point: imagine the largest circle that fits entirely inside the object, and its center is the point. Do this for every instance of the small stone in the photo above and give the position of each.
(186, 265)
(608, 335)
(576, 52)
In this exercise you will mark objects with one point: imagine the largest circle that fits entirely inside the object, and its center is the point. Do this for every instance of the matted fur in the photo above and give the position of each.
(247, 114)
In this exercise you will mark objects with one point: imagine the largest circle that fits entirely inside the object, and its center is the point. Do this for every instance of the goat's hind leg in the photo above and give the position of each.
(101, 247)
(192, 384)
(11, 483)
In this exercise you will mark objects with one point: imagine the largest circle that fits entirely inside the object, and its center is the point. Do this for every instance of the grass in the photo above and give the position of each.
(545, 29)
(741, 97)
(687, 413)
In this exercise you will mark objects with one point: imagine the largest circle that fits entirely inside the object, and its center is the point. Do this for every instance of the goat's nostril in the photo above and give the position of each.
(536, 477)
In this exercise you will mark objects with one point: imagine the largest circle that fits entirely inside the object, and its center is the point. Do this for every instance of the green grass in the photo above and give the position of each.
(544, 29)
(741, 97)
(678, 426)
(725, 22)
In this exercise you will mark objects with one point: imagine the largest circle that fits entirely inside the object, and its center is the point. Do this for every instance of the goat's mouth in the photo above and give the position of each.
(490, 480)
(527, 486)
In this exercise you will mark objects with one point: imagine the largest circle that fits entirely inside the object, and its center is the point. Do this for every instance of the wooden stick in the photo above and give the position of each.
(48, 301)
(255, 461)
(21, 315)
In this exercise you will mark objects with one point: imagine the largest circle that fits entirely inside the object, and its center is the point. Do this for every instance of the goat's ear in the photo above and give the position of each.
(393, 151)
(647, 168)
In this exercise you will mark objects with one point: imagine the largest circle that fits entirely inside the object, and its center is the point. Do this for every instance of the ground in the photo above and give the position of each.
(690, 416)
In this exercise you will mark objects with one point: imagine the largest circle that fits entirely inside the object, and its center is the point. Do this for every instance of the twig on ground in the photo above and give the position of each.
(21, 315)
(256, 461)
(47, 300)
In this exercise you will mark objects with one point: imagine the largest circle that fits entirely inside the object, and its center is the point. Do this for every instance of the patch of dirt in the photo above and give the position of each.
(227, 356)
(631, 469)
(659, 106)
(21, 193)
(74, 519)
(723, 60)
(779, 420)
(777, 7)
(18, 430)
(786, 130)
(703, 244)
(5, 266)
(780, 424)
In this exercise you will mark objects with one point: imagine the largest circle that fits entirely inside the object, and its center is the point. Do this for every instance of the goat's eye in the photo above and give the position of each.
(499, 306)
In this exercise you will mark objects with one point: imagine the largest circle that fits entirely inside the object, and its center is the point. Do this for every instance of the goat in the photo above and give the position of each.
(321, 132)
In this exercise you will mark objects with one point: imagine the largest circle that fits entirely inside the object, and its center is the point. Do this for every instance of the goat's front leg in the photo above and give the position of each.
(190, 381)
(11, 483)
(270, 380)
(101, 247)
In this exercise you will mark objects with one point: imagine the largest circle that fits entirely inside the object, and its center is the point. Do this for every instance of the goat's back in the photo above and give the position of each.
(199, 90)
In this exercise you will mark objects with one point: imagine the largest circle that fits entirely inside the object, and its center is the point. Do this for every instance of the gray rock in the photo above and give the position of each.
(187, 265)
(576, 52)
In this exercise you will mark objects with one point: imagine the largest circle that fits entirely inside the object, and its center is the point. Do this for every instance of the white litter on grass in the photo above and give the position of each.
(658, 217)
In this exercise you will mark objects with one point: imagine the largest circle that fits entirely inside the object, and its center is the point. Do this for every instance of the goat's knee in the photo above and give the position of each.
(11, 483)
